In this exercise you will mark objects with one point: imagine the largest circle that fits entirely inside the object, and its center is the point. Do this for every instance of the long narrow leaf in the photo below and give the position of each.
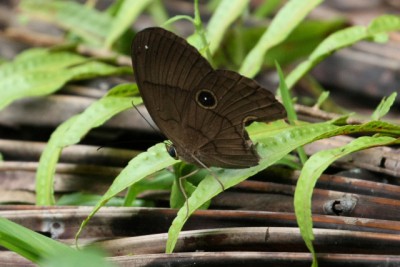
(384, 107)
(288, 103)
(42, 73)
(274, 141)
(45, 251)
(88, 23)
(343, 38)
(127, 14)
(43, 61)
(27, 243)
(312, 170)
(273, 144)
(281, 26)
(226, 13)
(146, 163)
(31, 84)
(72, 131)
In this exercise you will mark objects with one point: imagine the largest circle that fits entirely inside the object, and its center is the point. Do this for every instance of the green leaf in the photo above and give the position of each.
(159, 13)
(384, 107)
(31, 84)
(226, 13)
(32, 52)
(127, 14)
(95, 69)
(267, 8)
(28, 243)
(290, 161)
(176, 18)
(288, 103)
(89, 24)
(190, 176)
(83, 199)
(161, 180)
(71, 132)
(281, 26)
(304, 38)
(274, 142)
(86, 257)
(286, 98)
(47, 165)
(143, 165)
(384, 23)
(43, 61)
(373, 127)
(341, 39)
(42, 72)
(114, 7)
(177, 199)
(312, 170)
(322, 98)
(45, 251)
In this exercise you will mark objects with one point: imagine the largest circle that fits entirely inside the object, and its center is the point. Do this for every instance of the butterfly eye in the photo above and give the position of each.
(172, 151)
(206, 99)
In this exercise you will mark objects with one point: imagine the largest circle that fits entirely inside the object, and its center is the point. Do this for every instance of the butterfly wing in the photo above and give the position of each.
(206, 129)
(166, 69)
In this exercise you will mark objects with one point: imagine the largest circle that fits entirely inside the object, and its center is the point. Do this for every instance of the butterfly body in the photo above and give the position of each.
(201, 110)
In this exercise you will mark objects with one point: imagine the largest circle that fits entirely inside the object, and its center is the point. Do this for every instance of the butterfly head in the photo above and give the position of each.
(171, 150)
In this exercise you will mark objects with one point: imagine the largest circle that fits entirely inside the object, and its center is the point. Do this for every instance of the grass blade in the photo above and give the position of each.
(341, 39)
(281, 26)
(384, 107)
(312, 170)
(89, 24)
(226, 13)
(71, 131)
(127, 14)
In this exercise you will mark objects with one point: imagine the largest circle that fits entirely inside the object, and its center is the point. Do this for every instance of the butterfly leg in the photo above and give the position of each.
(212, 173)
(182, 189)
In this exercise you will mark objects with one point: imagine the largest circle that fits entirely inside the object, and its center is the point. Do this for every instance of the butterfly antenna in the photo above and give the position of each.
(141, 115)
(127, 142)
(113, 143)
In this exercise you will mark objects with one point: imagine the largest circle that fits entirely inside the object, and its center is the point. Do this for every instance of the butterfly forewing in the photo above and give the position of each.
(160, 57)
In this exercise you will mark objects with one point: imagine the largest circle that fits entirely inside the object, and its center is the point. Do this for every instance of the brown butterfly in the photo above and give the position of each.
(201, 110)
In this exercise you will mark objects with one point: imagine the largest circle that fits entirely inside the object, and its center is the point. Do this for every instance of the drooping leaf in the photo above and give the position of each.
(73, 130)
(310, 173)
(153, 160)
(341, 39)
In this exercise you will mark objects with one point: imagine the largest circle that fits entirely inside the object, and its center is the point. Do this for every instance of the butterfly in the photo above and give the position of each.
(201, 110)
